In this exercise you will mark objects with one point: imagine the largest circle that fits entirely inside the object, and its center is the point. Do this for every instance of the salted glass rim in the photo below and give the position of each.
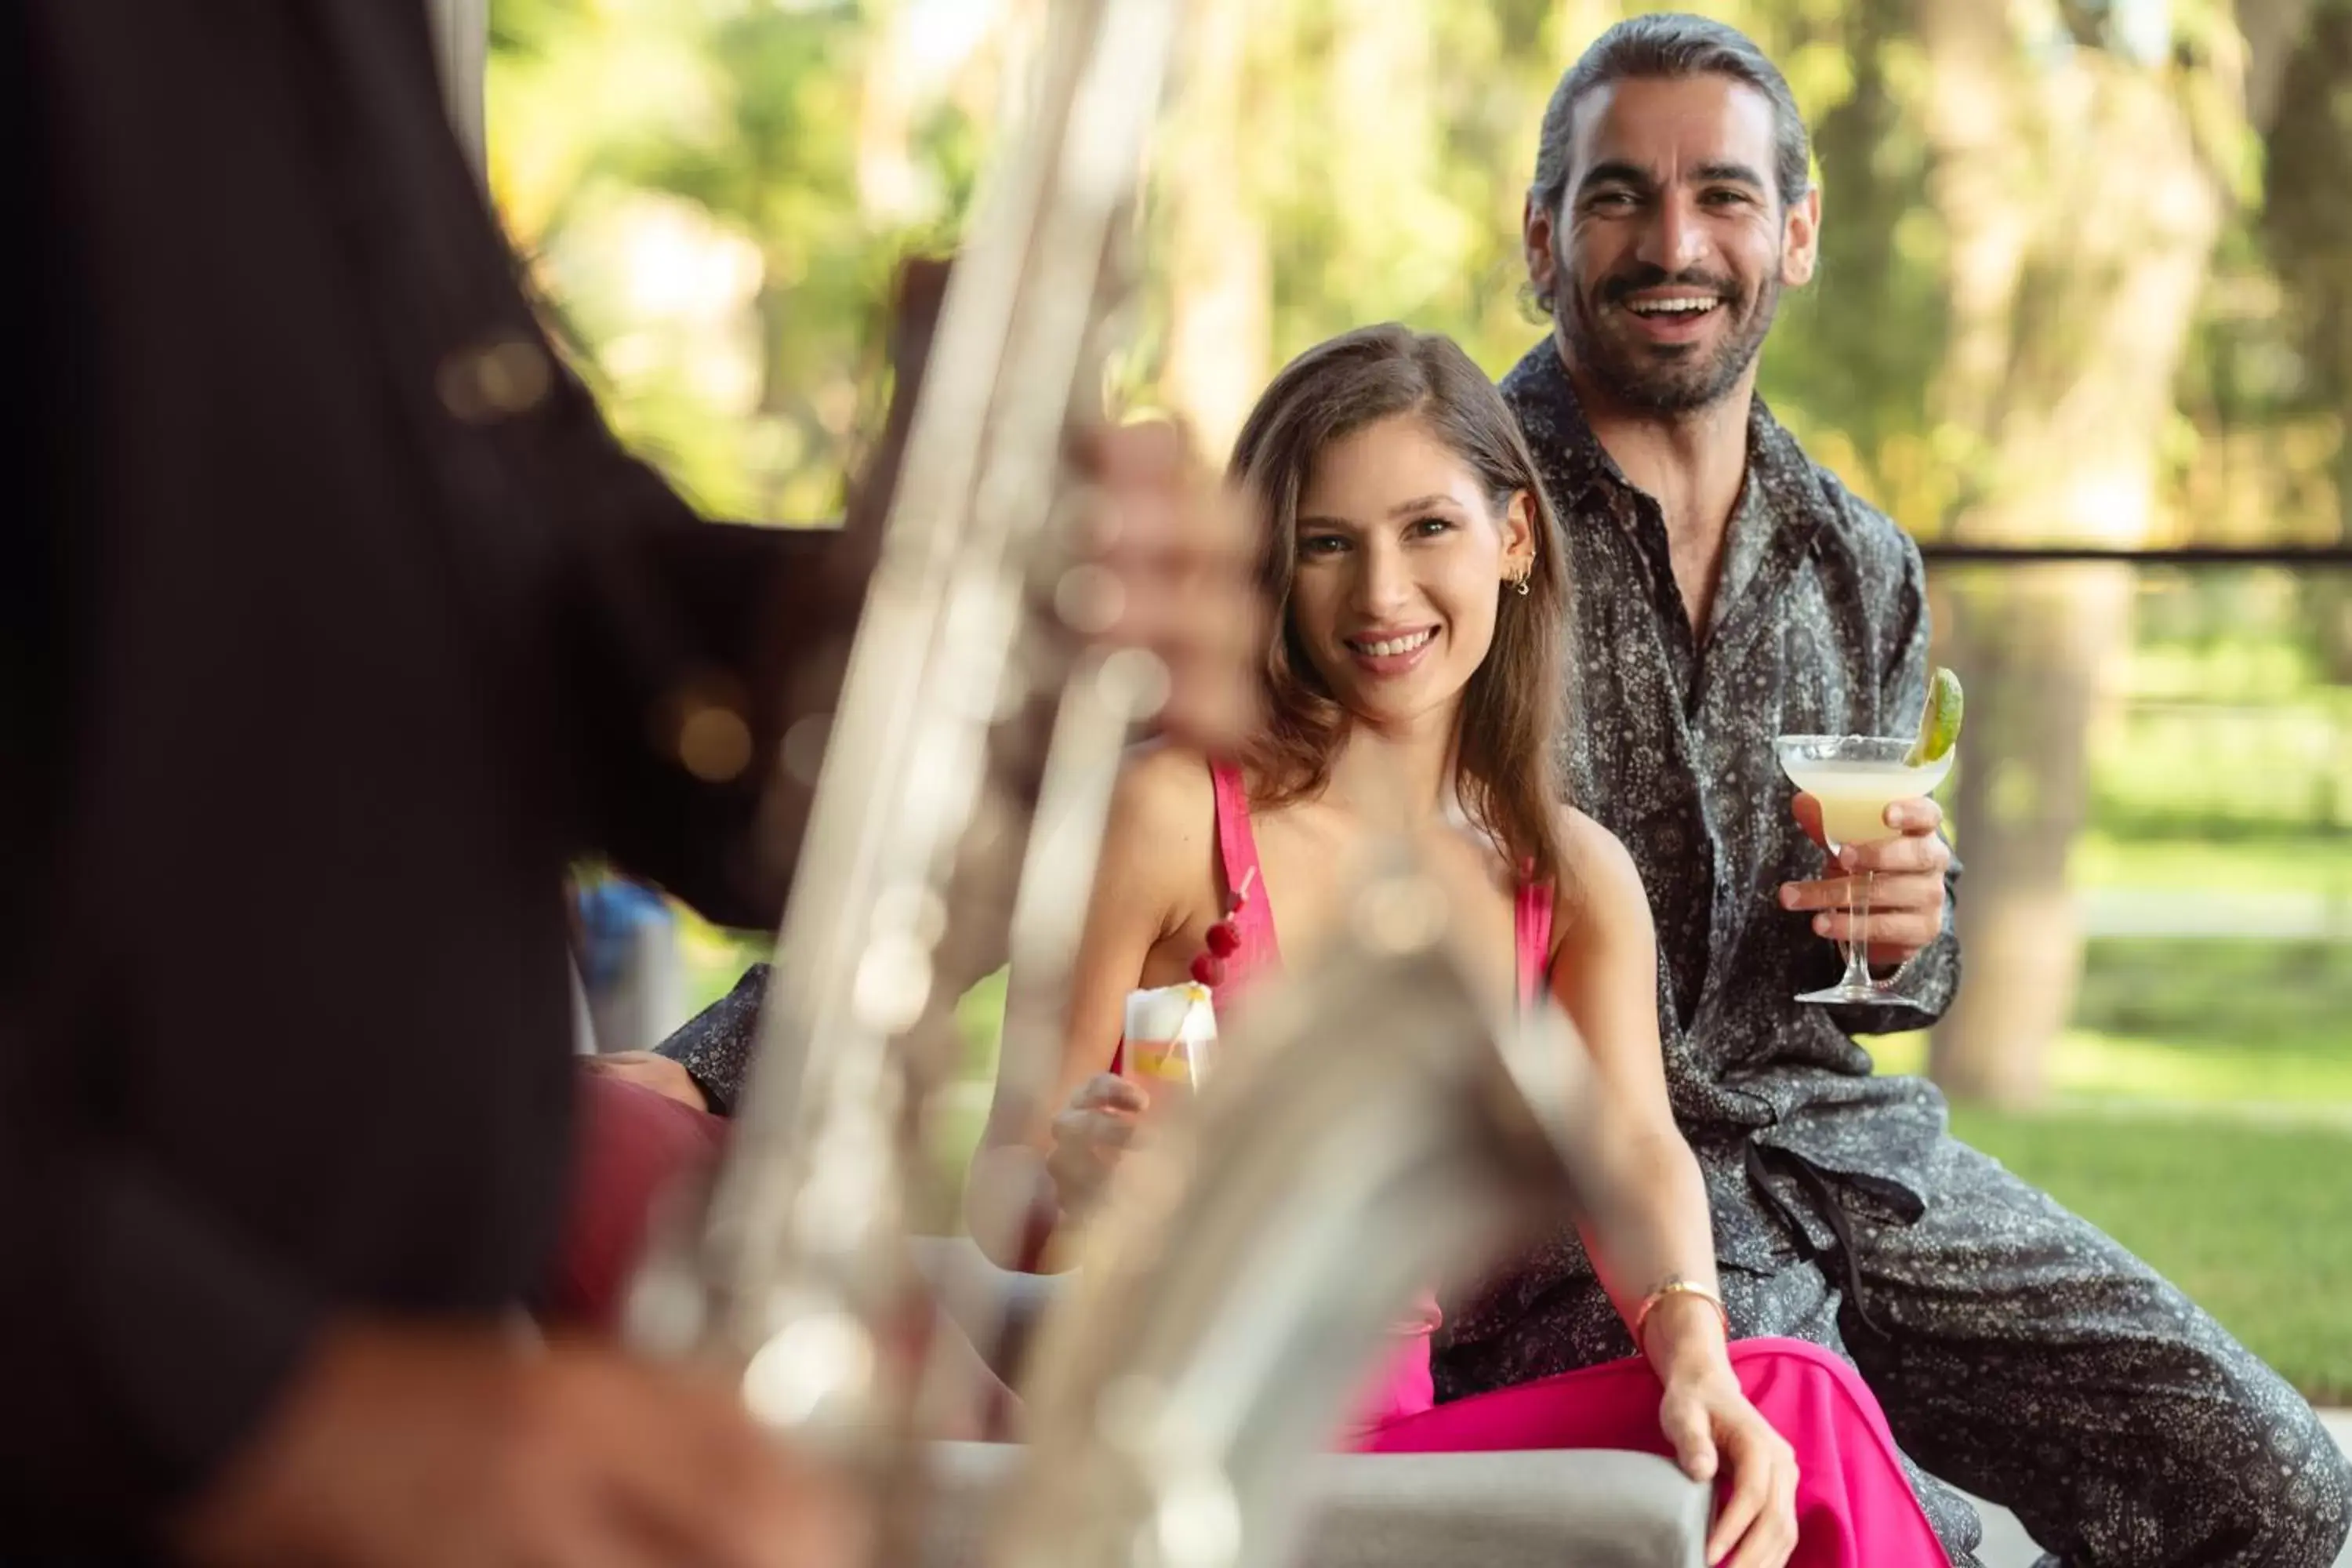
(1793, 751)
(1847, 748)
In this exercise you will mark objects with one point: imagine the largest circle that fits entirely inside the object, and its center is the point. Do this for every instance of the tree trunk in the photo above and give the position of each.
(2071, 295)
(2033, 654)
(1220, 333)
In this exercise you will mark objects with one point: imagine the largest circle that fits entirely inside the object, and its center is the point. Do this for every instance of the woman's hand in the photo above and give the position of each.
(1715, 1430)
(1090, 1136)
(649, 1070)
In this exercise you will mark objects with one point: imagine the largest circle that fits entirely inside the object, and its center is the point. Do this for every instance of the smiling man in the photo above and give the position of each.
(1728, 589)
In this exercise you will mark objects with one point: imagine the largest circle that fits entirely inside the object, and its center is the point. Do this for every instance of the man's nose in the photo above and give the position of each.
(1673, 240)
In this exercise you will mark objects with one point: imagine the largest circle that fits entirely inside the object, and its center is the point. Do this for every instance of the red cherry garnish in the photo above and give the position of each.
(1223, 940)
(1209, 969)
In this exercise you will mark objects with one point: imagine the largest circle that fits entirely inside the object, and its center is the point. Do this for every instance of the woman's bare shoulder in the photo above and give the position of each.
(1161, 783)
(1601, 883)
(1164, 807)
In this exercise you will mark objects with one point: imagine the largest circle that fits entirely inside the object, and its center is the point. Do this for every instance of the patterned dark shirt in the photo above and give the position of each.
(1819, 626)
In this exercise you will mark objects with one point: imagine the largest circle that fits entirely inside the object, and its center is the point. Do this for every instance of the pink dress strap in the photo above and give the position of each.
(1259, 953)
(1531, 923)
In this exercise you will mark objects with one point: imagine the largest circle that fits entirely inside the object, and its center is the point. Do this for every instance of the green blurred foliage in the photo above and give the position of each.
(713, 195)
(1388, 147)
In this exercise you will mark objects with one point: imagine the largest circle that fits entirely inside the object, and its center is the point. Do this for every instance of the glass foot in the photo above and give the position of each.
(1869, 994)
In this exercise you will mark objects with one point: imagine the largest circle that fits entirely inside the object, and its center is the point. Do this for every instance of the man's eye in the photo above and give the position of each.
(1611, 201)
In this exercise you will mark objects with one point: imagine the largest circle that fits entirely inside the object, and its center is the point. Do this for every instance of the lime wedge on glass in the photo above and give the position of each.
(1939, 720)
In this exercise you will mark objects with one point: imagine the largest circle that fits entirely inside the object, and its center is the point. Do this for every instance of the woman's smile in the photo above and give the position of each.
(1386, 652)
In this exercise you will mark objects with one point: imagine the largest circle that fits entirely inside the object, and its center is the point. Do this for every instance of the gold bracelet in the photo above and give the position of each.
(1677, 1286)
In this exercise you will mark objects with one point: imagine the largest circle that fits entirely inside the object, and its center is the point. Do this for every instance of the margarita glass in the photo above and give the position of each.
(1856, 778)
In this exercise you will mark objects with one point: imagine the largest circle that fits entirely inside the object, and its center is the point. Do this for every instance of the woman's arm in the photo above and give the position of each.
(1043, 1154)
(1651, 1224)
(1654, 1223)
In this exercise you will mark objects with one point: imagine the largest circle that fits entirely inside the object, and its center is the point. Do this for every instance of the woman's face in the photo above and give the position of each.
(1402, 565)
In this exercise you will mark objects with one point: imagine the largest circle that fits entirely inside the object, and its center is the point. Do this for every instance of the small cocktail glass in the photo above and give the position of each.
(1856, 778)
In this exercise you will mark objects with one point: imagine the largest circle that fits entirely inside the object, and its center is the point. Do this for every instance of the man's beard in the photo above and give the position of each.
(1670, 378)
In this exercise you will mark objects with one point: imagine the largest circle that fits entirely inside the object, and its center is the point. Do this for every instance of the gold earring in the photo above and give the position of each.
(1519, 578)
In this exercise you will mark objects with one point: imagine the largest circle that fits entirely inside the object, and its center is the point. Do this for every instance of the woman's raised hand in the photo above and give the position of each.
(1089, 1135)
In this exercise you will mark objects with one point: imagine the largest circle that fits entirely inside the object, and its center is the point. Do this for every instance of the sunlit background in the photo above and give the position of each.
(2088, 287)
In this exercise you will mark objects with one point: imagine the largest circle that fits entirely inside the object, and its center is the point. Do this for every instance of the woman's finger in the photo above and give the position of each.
(1772, 1540)
(1108, 1091)
(1751, 1490)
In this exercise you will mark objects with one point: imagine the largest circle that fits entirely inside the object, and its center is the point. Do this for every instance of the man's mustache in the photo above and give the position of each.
(1617, 289)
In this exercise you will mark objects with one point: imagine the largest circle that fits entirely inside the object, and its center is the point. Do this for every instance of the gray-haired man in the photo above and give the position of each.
(1730, 589)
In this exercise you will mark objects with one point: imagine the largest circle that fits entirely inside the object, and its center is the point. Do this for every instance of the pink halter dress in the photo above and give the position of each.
(1853, 1504)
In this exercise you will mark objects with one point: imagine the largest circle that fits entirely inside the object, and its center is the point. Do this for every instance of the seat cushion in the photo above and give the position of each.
(1560, 1509)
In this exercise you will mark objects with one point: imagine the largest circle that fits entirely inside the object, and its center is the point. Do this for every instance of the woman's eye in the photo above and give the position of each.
(1430, 527)
(1321, 544)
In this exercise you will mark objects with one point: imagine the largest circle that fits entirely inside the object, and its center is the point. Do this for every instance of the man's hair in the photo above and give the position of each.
(1670, 46)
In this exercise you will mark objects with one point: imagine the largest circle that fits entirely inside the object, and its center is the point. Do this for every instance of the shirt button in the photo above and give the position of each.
(496, 381)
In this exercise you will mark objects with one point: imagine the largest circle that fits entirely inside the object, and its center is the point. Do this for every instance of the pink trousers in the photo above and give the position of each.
(1853, 1506)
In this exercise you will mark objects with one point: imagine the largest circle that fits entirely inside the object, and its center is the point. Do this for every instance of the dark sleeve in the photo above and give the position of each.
(691, 637)
(715, 1045)
(1933, 975)
(691, 650)
(140, 1335)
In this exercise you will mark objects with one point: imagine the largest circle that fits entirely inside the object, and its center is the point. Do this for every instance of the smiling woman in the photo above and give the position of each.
(1426, 590)
(1416, 573)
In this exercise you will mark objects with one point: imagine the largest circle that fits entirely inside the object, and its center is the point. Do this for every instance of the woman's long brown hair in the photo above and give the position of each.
(1508, 741)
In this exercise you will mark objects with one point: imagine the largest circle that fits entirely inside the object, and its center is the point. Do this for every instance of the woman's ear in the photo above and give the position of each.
(1518, 533)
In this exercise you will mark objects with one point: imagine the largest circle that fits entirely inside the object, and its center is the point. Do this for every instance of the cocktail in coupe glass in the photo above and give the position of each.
(1856, 778)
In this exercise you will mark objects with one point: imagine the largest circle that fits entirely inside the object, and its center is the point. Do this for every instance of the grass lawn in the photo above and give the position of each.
(2285, 863)
(2203, 1115)
(2254, 1222)
(2181, 1023)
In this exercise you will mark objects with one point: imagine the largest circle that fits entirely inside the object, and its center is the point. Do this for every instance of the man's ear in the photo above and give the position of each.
(1801, 240)
(1536, 238)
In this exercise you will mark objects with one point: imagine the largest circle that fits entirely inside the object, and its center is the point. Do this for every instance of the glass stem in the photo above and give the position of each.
(1857, 947)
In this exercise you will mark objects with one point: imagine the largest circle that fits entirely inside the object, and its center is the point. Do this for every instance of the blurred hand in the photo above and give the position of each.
(401, 1447)
(1089, 1135)
(1906, 887)
(664, 1076)
(1182, 557)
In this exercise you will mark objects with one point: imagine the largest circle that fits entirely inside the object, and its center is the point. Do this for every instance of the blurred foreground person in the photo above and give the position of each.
(325, 593)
